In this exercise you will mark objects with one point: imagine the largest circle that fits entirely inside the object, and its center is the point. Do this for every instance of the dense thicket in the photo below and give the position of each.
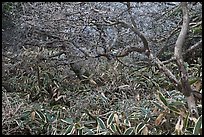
(101, 67)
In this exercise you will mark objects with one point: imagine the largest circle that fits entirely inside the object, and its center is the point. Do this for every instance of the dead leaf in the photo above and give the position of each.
(117, 119)
(92, 82)
(198, 85)
(179, 125)
(155, 111)
(193, 119)
(137, 97)
(159, 119)
(145, 130)
(32, 115)
(124, 86)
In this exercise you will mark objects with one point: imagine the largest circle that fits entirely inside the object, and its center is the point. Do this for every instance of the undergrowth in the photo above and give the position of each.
(133, 101)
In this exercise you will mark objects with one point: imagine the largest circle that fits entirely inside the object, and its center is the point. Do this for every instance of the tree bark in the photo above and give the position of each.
(186, 88)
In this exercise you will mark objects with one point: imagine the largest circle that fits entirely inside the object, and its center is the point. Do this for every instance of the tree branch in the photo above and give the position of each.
(195, 46)
(186, 88)
(136, 31)
(189, 50)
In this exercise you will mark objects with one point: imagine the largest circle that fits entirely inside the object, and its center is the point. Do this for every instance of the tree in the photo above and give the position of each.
(84, 31)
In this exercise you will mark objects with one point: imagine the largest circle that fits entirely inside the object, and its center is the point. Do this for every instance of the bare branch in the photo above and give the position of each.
(128, 50)
(84, 52)
(57, 54)
(166, 71)
(195, 46)
(131, 17)
(166, 40)
(178, 49)
(136, 31)
(186, 88)
(183, 33)
(113, 43)
(169, 60)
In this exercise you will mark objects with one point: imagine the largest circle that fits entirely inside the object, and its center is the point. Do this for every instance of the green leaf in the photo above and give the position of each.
(118, 129)
(88, 131)
(173, 108)
(163, 99)
(197, 30)
(127, 123)
(25, 115)
(69, 130)
(41, 116)
(67, 120)
(58, 114)
(193, 80)
(176, 103)
(113, 128)
(110, 119)
(101, 123)
(139, 127)
(198, 126)
(158, 105)
(89, 123)
(80, 131)
(129, 131)
(186, 121)
(89, 114)
(77, 125)
(50, 117)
